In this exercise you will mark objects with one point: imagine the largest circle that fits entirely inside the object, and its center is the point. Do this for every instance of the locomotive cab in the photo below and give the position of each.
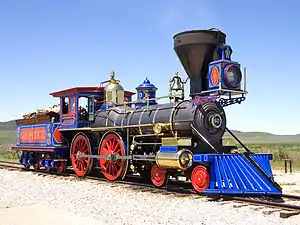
(78, 104)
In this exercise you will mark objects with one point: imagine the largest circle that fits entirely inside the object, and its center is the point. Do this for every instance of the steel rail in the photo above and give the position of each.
(263, 202)
(10, 162)
(288, 196)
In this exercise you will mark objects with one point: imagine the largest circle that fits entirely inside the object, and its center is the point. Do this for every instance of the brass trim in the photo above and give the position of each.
(122, 121)
(171, 116)
(245, 79)
(140, 119)
(106, 121)
(159, 128)
(142, 100)
(173, 160)
(153, 120)
(147, 135)
(107, 128)
(171, 141)
(130, 116)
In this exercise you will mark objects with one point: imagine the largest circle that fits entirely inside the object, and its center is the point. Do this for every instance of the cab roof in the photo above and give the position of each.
(78, 90)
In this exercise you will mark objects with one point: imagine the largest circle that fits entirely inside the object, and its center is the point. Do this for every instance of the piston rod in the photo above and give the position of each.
(116, 157)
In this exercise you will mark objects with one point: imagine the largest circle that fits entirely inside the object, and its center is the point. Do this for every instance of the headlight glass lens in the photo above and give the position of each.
(233, 76)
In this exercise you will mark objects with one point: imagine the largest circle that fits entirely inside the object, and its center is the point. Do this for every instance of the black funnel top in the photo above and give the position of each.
(195, 50)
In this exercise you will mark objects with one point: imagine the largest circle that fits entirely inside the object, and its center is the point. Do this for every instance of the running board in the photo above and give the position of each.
(234, 174)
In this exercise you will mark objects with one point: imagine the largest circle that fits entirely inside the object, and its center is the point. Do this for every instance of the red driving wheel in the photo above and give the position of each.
(112, 145)
(159, 176)
(81, 145)
(200, 178)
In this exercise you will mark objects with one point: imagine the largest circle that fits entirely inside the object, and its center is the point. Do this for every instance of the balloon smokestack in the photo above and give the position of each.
(195, 50)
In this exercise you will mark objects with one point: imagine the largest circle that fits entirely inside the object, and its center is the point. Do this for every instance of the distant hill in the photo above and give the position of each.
(263, 137)
(8, 133)
(9, 125)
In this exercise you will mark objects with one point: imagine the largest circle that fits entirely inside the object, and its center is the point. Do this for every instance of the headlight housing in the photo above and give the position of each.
(233, 76)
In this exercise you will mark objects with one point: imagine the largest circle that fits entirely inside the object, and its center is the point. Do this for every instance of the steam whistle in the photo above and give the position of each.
(176, 88)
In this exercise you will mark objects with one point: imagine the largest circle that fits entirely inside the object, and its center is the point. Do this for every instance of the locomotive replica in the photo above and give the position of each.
(182, 138)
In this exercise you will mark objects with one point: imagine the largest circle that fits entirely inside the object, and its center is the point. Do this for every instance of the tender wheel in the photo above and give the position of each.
(112, 146)
(61, 167)
(200, 178)
(26, 166)
(159, 176)
(48, 156)
(81, 145)
(37, 157)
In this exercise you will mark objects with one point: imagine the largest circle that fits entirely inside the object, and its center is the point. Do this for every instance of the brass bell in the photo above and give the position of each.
(177, 83)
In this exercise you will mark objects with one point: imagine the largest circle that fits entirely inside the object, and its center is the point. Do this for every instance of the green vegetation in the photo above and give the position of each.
(287, 184)
(281, 146)
(9, 125)
(279, 150)
(7, 138)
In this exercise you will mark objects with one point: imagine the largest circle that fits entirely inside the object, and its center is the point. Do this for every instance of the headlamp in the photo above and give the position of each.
(233, 76)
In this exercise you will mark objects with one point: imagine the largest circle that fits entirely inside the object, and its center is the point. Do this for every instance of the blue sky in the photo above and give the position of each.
(51, 45)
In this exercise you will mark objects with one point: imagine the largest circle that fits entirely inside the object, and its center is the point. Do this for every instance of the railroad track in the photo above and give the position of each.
(287, 205)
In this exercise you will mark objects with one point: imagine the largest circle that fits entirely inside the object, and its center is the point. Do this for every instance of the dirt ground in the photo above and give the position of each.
(43, 214)
(290, 182)
(40, 214)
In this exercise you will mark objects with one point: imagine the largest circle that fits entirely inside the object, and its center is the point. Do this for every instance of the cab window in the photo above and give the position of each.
(83, 108)
(68, 105)
(65, 105)
(72, 104)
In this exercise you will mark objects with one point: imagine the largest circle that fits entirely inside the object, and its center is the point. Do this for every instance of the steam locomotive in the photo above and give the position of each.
(182, 138)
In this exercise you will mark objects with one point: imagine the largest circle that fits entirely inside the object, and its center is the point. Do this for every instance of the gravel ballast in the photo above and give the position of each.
(99, 203)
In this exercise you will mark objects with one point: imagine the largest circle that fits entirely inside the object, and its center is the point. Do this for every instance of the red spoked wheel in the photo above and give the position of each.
(81, 145)
(37, 157)
(112, 146)
(159, 176)
(200, 178)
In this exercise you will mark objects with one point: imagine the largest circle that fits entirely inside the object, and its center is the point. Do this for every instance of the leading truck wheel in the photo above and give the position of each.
(81, 145)
(112, 146)
(200, 178)
(159, 176)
